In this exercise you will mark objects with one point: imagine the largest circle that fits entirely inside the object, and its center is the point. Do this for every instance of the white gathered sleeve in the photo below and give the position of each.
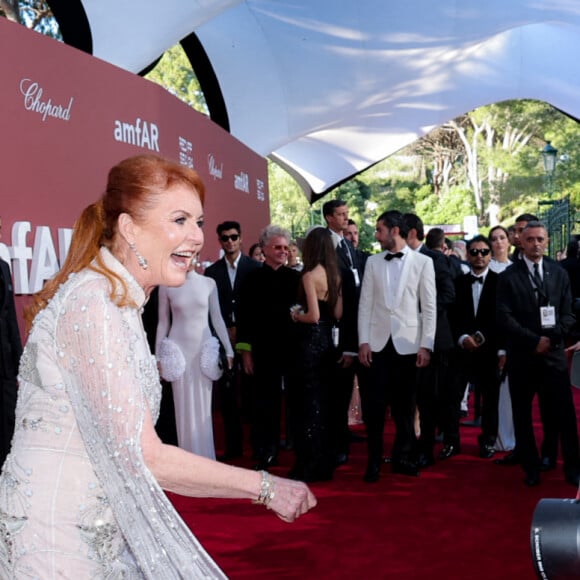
(112, 379)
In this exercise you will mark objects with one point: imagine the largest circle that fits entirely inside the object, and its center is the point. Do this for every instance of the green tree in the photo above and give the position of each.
(34, 14)
(175, 73)
(289, 207)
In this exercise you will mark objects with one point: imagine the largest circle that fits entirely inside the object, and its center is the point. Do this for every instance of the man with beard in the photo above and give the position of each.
(396, 326)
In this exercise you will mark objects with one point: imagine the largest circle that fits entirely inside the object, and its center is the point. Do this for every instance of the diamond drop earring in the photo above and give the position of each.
(140, 259)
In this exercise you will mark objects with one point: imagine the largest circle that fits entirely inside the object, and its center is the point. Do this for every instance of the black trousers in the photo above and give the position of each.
(269, 378)
(392, 382)
(229, 388)
(550, 381)
(436, 400)
(487, 382)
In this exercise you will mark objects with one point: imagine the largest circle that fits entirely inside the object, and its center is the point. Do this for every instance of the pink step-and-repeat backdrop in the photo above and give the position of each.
(66, 118)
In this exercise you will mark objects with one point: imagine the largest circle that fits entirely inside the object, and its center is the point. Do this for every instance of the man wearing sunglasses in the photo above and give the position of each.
(475, 330)
(229, 273)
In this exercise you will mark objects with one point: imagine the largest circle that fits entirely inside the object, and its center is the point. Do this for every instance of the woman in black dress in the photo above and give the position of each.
(319, 308)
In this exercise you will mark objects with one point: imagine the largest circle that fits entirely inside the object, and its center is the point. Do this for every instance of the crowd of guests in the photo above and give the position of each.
(418, 328)
(414, 326)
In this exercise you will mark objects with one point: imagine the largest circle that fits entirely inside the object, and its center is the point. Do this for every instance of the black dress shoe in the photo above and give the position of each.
(340, 459)
(405, 467)
(448, 451)
(547, 464)
(532, 478)
(486, 451)
(373, 472)
(510, 459)
(425, 460)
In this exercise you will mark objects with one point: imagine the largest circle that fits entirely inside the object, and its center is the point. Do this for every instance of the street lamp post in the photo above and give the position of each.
(550, 156)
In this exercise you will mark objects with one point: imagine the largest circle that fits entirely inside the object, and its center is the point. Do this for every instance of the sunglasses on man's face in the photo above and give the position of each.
(483, 251)
(233, 237)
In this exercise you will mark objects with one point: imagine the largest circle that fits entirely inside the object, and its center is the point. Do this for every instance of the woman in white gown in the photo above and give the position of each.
(506, 440)
(82, 489)
(184, 315)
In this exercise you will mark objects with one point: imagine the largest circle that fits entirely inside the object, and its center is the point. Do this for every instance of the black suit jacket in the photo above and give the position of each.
(264, 320)
(228, 296)
(572, 266)
(445, 297)
(466, 321)
(519, 312)
(348, 336)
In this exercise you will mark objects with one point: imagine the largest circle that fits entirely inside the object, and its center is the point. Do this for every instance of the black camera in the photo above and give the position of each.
(555, 539)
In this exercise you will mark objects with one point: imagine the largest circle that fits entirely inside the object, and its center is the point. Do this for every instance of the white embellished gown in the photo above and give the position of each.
(184, 315)
(76, 498)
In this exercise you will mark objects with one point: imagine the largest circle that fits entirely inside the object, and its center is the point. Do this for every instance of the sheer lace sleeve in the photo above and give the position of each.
(111, 378)
(217, 320)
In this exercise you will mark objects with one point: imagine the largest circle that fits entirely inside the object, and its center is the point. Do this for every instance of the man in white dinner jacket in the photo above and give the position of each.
(396, 326)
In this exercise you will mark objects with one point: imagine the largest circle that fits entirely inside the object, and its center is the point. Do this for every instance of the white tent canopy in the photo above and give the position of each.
(330, 87)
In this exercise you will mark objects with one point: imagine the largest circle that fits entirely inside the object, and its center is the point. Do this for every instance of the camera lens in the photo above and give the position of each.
(555, 539)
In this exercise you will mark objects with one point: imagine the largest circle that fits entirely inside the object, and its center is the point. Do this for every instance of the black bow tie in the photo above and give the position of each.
(389, 257)
(476, 279)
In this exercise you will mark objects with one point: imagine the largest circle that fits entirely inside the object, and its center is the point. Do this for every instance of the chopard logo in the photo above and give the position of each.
(33, 101)
(217, 172)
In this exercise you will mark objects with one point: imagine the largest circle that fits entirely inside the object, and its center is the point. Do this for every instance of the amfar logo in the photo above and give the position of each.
(34, 102)
(217, 172)
(242, 182)
(41, 255)
(141, 133)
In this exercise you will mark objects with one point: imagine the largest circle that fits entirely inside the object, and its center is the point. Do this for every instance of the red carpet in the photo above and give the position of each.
(463, 518)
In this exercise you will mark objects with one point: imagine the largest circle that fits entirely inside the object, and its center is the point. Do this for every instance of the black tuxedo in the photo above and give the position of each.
(436, 384)
(233, 389)
(348, 342)
(480, 367)
(10, 351)
(545, 374)
(347, 260)
(228, 295)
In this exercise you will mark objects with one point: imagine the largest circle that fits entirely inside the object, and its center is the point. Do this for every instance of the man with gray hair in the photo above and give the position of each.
(265, 339)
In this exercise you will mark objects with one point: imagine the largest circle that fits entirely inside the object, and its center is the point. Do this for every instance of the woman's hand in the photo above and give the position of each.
(291, 500)
(574, 347)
